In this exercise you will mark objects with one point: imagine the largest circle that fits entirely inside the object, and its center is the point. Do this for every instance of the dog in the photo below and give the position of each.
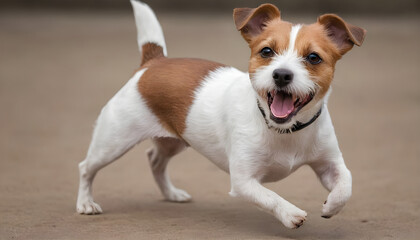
(258, 126)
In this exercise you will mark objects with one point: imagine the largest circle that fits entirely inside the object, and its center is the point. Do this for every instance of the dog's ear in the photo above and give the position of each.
(343, 34)
(251, 21)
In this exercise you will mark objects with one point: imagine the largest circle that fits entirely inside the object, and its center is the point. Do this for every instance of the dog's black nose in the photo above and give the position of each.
(282, 77)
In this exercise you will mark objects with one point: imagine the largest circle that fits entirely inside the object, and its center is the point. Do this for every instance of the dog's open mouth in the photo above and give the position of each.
(283, 105)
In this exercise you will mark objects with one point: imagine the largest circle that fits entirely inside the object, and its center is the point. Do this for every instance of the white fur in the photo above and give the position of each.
(293, 35)
(148, 27)
(225, 125)
(117, 130)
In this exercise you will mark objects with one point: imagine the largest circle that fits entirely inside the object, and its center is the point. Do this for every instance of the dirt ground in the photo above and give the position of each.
(58, 69)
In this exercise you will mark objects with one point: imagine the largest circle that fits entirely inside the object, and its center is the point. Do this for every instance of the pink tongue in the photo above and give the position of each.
(282, 105)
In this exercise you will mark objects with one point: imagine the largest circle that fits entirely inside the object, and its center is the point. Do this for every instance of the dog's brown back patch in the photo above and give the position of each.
(168, 87)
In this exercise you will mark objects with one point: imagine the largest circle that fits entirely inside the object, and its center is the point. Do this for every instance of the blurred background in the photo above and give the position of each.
(61, 61)
(302, 6)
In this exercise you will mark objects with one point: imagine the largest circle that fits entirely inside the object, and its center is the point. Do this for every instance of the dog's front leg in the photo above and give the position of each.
(335, 177)
(244, 185)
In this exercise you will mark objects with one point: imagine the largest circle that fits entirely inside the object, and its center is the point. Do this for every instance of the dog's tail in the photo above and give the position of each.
(149, 32)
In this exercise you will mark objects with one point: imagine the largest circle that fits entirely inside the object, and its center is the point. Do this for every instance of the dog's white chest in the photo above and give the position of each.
(224, 117)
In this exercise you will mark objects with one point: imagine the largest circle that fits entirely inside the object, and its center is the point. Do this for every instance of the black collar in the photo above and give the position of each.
(296, 127)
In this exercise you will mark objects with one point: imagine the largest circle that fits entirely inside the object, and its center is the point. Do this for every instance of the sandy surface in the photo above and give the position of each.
(58, 69)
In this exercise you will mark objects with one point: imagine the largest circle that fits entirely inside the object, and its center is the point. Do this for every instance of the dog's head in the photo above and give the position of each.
(292, 66)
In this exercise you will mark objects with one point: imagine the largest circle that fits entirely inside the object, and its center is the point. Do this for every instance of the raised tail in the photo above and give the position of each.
(149, 32)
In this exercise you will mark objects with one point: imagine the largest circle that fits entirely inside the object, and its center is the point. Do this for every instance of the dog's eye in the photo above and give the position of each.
(314, 58)
(266, 52)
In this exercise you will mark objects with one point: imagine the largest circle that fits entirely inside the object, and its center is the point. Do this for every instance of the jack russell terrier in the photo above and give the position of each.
(258, 126)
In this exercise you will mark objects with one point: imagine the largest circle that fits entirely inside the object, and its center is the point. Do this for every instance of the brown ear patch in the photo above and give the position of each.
(251, 21)
(343, 34)
(168, 87)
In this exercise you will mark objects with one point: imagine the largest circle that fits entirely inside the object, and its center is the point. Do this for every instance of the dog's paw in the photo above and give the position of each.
(331, 208)
(89, 208)
(177, 195)
(291, 216)
(335, 202)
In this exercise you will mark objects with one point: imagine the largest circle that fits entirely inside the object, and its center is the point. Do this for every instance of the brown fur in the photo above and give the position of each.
(344, 35)
(276, 36)
(168, 87)
(313, 38)
(150, 51)
(251, 21)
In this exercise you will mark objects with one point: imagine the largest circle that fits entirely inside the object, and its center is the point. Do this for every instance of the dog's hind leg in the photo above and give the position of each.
(110, 141)
(123, 122)
(159, 155)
